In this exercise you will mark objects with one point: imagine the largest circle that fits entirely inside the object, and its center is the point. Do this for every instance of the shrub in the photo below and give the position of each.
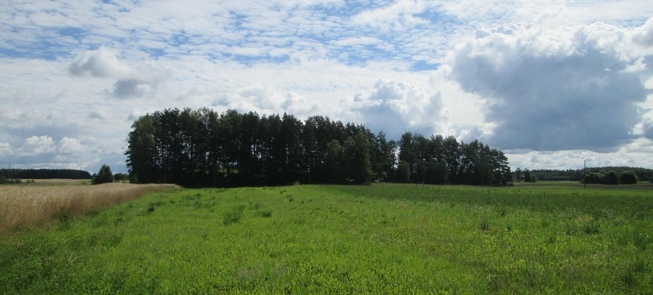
(611, 178)
(234, 215)
(628, 177)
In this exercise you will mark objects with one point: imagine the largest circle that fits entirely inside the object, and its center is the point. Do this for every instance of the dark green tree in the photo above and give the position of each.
(628, 177)
(527, 175)
(518, 174)
(403, 172)
(103, 176)
(357, 158)
(333, 161)
(436, 173)
(611, 178)
(143, 156)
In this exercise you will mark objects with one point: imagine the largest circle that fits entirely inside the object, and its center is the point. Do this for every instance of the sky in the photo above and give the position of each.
(550, 83)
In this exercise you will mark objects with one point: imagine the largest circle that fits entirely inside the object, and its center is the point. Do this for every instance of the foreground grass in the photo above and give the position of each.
(29, 205)
(346, 239)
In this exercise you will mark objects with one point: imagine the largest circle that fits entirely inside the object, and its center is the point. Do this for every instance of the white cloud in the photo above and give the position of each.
(102, 63)
(106, 63)
(68, 146)
(398, 16)
(644, 34)
(267, 100)
(5, 149)
(398, 107)
(553, 89)
(37, 145)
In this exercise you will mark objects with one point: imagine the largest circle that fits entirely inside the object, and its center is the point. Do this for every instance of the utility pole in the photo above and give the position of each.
(584, 173)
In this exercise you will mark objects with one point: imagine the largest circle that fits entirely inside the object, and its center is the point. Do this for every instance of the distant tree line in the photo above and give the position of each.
(642, 174)
(525, 175)
(611, 177)
(44, 174)
(204, 148)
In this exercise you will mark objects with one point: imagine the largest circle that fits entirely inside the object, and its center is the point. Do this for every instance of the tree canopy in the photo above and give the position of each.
(204, 148)
(103, 176)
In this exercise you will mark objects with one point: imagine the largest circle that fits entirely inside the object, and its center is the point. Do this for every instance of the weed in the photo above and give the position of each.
(591, 228)
(629, 278)
(502, 212)
(641, 240)
(484, 225)
(266, 213)
(234, 215)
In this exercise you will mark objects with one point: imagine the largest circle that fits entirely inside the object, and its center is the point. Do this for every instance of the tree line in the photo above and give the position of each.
(594, 173)
(204, 148)
(44, 173)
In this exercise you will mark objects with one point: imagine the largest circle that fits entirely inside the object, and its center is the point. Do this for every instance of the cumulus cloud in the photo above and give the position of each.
(644, 34)
(68, 146)
(126, 88)
(37, 145)
(395, 107)
(556, 89)
(648, 129)
(267, 100)
(101, 63)
(105, 63)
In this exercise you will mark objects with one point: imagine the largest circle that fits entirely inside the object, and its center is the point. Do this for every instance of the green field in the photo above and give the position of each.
(380, 239)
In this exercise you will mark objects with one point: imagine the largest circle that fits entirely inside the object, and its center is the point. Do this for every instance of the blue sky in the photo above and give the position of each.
(552, 83)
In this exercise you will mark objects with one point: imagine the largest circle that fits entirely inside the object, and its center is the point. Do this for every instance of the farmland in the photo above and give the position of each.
(383, 238)
(46, 199)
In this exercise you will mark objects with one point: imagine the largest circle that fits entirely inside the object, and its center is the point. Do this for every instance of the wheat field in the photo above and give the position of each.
(25, 205)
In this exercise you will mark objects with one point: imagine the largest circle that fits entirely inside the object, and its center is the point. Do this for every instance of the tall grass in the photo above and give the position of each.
(24, 205)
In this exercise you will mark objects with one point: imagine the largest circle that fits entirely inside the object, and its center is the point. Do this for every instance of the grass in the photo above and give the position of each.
(36, 204)
(389, 239)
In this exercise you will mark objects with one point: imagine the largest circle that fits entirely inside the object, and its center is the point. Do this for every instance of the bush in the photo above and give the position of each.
(611, 178)
(628, 177)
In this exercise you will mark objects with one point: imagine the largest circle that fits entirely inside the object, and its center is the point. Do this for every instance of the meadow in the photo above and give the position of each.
(548, 238)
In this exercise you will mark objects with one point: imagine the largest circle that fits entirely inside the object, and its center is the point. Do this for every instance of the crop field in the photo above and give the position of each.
(44, 200)
(379, 239)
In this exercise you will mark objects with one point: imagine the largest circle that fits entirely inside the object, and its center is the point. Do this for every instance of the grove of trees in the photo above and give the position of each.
(610, 177)
(204, 148)
(642, 174)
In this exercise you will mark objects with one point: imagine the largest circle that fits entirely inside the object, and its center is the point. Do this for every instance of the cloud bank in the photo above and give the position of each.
(554, 89)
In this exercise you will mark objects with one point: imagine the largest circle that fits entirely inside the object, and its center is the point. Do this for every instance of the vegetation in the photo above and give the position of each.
(45, 174)
(543, 238)
(577, 174)
(611, 177)
(121, 177)
(27, 205)
(203, 148)
(103, 176)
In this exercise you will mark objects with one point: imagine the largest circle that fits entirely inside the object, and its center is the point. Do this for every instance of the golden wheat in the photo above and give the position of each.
(22, 205)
